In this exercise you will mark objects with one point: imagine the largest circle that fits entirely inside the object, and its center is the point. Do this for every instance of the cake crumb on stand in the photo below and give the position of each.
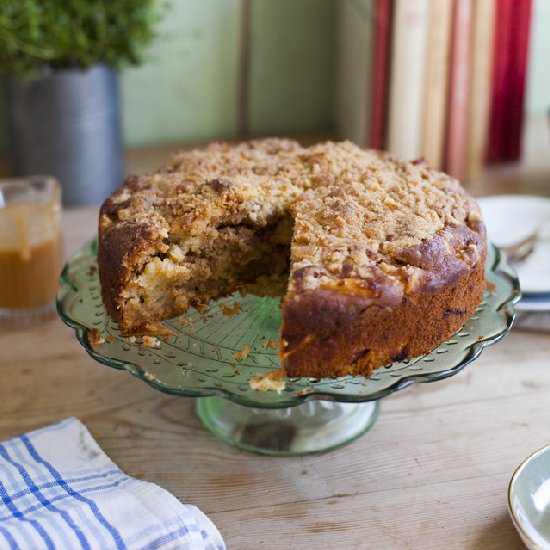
(229, 311)
(150, 341)
(271, 344)
(95, 338)
(243, 354)
(273, 380)
(157, 329)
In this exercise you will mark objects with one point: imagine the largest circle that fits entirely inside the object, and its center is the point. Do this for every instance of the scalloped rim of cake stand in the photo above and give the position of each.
(499, 267)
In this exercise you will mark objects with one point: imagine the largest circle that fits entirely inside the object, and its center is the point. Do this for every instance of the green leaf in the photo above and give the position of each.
(74, 33)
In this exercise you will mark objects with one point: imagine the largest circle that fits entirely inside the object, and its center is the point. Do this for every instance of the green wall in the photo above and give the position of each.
(191, 88)
(188, 88)
(292, 65)
(191, 85)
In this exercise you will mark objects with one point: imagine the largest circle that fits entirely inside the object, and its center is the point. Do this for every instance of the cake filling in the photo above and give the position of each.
(235, 257)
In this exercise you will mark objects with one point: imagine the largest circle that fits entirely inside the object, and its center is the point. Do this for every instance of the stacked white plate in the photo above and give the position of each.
(511, 218)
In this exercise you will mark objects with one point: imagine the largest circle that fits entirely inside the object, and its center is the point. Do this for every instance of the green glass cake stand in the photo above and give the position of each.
(213, 355)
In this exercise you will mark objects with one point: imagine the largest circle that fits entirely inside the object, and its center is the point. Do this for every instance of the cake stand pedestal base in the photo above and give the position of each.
(312, 428)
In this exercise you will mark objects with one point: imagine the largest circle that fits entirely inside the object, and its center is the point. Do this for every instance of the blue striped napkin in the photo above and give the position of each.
(59, 490)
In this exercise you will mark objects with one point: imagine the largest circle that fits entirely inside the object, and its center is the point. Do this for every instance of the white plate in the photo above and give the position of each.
(528, 303)
(529, 500)
(511, 218)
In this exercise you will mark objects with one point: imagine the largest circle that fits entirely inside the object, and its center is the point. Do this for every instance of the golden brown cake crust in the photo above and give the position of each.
(386, 257)
(327, 332)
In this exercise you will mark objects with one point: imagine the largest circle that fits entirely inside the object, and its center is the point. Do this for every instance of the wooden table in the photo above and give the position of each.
(432, 472)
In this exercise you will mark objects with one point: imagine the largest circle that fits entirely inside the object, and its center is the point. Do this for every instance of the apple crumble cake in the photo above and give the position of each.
(385, 257)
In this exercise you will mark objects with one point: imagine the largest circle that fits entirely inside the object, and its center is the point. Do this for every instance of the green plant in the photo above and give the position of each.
(73, 33)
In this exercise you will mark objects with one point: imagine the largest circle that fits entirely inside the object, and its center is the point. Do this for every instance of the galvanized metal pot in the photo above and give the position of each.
(67, 124)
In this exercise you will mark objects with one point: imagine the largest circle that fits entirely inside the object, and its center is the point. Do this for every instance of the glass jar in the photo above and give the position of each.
(30, 248)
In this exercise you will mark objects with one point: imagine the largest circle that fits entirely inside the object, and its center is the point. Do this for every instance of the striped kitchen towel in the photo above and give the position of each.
(59, 490)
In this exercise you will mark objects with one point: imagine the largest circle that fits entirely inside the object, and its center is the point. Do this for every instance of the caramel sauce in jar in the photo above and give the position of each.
(30, 255)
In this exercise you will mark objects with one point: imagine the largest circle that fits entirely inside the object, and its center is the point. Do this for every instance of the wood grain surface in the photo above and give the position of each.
(432, 473)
